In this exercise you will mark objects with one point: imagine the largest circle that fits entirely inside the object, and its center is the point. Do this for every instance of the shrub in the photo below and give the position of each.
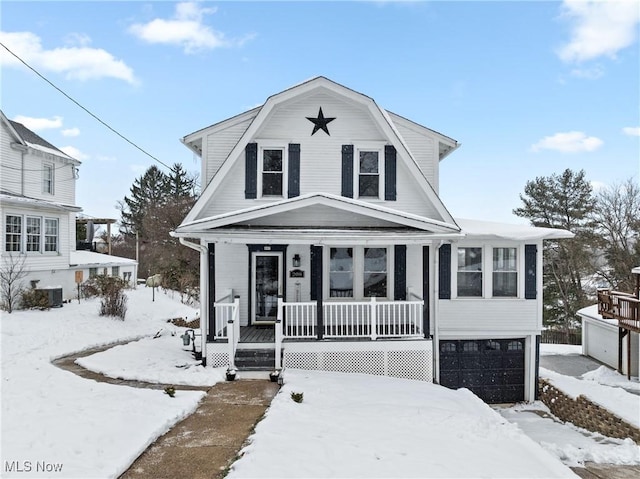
(34, 299)
(297, 397)
(110, 290)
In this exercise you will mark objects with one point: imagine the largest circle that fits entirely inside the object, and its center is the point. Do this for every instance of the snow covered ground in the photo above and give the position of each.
(55, 424)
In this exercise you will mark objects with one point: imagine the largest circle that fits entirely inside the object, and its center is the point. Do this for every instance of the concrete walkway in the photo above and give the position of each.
(204, 444)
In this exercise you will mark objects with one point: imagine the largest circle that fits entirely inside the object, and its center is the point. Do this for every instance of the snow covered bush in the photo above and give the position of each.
(110, 290)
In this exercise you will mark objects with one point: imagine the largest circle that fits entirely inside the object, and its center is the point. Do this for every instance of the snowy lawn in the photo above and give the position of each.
(352, 425)
(56, 424)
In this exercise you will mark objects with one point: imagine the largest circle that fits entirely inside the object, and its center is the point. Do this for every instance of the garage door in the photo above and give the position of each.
(492, 368)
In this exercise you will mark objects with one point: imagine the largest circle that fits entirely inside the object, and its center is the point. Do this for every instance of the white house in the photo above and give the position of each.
(321, 224)
(38, 213)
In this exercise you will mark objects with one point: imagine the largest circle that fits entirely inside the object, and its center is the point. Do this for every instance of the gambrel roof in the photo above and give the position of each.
(260, 114)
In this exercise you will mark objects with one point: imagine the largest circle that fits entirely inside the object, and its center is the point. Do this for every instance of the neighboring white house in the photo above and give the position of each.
(611, 329)
(321, 216)
(38, 212)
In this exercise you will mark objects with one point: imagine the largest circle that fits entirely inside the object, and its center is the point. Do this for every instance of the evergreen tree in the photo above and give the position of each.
(562, 201)
(150, 190)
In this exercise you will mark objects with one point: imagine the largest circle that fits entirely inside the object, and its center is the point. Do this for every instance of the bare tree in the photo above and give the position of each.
(12, 272)
(617, 219)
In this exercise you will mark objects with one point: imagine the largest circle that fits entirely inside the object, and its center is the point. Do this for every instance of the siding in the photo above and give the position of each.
(232, 273)
(423, 148)
(64, 182)
(472, 316)
(10, 176)
(218, 146)
(320, 155)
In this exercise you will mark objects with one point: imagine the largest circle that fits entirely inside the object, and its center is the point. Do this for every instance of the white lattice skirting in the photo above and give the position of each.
(217, 355)
(401, 359)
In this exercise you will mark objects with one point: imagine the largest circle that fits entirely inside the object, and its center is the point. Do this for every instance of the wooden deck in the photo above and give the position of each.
(257, 334)
(624, 307)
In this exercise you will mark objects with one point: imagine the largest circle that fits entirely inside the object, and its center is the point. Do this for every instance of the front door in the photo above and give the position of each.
(267, 286)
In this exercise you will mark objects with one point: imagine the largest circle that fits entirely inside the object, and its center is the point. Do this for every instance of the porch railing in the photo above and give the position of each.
(227, 326)
(624, 307)
(224, 311)
(354, 319)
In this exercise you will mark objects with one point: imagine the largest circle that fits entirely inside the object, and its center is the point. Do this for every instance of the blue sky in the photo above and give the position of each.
(527, 88)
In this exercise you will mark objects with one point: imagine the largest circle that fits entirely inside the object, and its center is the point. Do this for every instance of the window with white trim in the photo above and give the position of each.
(370, 170)
(93, 272)
(34, 233)
(47, 178)
(115, 271)
(13, 233)
(469, 272)
(505, 272)
(271, 171)
(358, 272)
(51, 235)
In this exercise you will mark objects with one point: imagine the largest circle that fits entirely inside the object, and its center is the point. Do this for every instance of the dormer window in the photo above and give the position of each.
(47, 179)
(272, 171)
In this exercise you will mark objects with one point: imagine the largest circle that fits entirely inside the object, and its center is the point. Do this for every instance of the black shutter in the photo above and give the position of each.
(444, 275)
(316, 271)
(389, 173)
(425, 292)
(211, 261)
(347, 171)
(251, 170)
(400, 273)
(530, 270)
(294, 169)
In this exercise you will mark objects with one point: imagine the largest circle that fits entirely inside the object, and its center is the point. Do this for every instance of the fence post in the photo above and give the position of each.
(374, 319)
(231, 343)
(278, 346)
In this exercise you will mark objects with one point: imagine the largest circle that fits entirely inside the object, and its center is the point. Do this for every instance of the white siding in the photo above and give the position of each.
(487, 316)
(424, 150)
(64, 181)
(232, 267)
(10, 166)
(320, 154)
(218, 145)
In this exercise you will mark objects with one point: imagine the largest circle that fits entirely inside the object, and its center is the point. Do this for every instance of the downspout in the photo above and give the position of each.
(436, 302)
(204, 291)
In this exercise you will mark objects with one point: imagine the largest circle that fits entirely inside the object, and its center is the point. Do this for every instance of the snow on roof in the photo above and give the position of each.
(89, 258)
(490, 229)
(7, 197)
(35, 141)
(636, 270)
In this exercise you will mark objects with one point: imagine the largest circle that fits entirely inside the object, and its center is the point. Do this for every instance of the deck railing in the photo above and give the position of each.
(624, 307)
(354, 319)
(224, 309)
(227, 325)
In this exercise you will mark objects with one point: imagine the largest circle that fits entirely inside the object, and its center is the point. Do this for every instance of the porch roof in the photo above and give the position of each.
(205, 227)
(489, 229)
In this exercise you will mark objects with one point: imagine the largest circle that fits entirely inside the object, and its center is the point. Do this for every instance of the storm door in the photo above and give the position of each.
(267, 285)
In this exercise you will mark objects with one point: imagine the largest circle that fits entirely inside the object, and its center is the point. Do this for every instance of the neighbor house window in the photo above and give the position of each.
(272, 172)
(469, 271)
(50, 234)
(369, 174)
(115, 271)
(126, 276)
(93, 272)
(13, 233)
(375, 272)
(341, 273)
(34, 234)
(47, 179)
(505, 272)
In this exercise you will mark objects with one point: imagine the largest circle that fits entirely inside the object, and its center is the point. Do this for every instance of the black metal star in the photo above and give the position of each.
(320, 123)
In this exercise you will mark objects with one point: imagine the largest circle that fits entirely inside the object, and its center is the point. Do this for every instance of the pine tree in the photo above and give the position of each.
(562, 201)
(150, 190)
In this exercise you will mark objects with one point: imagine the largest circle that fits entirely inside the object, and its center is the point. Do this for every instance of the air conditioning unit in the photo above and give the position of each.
(54, 296)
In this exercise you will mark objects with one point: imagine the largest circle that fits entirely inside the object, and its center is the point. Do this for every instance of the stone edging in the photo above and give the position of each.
(585, 414)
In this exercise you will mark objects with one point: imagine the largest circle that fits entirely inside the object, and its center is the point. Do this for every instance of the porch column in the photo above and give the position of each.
(316, 286)
(211, 290)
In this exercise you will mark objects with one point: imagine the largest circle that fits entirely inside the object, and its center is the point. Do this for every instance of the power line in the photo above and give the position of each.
(85, 109)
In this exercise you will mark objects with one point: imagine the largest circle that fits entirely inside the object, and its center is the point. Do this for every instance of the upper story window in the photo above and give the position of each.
(47, 178)
(505, 272)
(272, 172)
(369, 169)
(26, 234)
(13, 233)
(469, 272)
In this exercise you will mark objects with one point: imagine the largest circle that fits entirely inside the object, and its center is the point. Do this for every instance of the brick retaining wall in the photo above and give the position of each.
(585, 414)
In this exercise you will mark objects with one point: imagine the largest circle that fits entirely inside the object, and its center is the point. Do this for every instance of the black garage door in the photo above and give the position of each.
(492, 368)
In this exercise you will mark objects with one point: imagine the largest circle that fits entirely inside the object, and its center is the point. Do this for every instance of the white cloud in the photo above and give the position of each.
(75, 62)
(631, 130)
(37, 124)
(73, 152)
(599, 28)
(592, 73)
(569, 142)
(71, 132)
(185, 29)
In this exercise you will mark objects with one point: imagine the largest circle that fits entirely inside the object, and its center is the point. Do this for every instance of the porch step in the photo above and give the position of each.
(255, 359)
